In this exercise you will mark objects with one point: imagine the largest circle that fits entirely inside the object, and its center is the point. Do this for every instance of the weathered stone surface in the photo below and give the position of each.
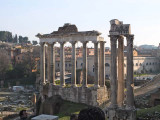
(45, 117)
(121, 114)
(118, 28)
(89, 96)
(51, 105)
(121, 82)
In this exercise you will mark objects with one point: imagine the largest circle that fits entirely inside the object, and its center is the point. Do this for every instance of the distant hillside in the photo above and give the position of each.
(147, 47)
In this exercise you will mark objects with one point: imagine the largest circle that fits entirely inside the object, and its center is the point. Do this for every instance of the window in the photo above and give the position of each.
(136, 64)
(140, 64)
(81, 64)
(146, 63)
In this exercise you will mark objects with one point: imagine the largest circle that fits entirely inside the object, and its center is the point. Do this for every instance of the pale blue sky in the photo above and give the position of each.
(29, 17)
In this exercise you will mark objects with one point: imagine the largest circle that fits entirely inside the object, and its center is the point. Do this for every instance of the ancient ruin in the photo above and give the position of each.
(122, 96)
(95, 95)
(122, 105)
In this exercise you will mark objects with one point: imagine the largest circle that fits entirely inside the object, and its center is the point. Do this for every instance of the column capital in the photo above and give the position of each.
(95, 42)
(130, 40)
(113, 38)
(85, 42)
(51, 43)
(102, 42)
(73, 42)
(62, 43)
(130, 37)
(120, 37)
(42, 43)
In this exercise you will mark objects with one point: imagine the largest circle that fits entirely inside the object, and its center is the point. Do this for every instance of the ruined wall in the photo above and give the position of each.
(89, 96)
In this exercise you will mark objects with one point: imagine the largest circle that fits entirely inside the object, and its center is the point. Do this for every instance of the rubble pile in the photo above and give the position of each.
(12, 102)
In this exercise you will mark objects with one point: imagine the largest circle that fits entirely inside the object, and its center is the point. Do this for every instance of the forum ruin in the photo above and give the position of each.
(97, 94)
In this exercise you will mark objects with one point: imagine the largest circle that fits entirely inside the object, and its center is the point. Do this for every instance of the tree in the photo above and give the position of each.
(15, 39)
(6, 36)
(20, 39)
(25, 40)
(34, 42)
(29, 63)
(4, 63)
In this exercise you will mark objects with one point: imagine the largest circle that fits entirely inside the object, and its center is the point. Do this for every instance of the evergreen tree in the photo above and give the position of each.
(15, 40)
(34, 42)
(20, 39)
(6, 36)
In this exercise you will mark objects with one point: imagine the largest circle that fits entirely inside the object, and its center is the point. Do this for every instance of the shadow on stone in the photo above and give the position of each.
(51, 105)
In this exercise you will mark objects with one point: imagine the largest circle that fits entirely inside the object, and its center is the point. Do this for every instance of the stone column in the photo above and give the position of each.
(42, 63)
(113, 40)
(52, 67)
(130, 83)
(121, 83)
(62, 64)
(73, 64)
(96, 65)
(84, 83)
(102, 64)
(49, 63)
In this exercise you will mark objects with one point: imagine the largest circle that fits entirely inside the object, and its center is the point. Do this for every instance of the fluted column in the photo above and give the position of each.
(73, 64)
(49, 63)
(102, 64)
(130, 84)
(62, 64)
(96, 65)
(84, 83)
(42, 63)
(120, 96)
(113, 40)
(52, 66)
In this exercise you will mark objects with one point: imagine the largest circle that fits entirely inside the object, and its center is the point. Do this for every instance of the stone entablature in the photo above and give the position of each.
(67, 34)
(118, 28)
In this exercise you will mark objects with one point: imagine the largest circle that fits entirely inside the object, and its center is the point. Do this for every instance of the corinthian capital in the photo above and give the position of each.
(62, 43)
(130, 37)
(42, 43)
(113, 37)
(73, 42)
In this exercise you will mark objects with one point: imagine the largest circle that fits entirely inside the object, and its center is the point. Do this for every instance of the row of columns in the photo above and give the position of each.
(118, 99)
(99, 63)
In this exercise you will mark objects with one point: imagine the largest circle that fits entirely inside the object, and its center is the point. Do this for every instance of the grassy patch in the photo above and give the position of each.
(151, 111)
(21, 108)
(69, 108)
(138, 75)
(57, 82)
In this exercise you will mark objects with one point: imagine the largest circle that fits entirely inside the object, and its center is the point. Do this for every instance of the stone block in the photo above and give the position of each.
(45, 117)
